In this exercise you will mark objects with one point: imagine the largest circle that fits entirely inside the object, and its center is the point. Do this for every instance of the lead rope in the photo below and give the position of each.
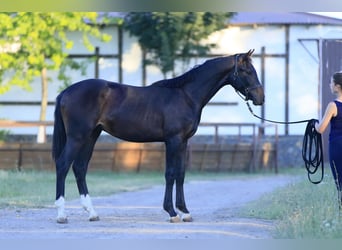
(312, 149)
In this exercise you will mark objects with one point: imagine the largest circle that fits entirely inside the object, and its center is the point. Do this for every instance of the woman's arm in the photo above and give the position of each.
(330, 112)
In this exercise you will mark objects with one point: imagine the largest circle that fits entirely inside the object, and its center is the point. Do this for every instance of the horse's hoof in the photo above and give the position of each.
(175, 219)
(62, 220)
(186, 217)
(94, 218)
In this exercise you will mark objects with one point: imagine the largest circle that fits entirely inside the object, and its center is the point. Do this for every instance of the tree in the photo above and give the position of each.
(166, 36)
(31, 43)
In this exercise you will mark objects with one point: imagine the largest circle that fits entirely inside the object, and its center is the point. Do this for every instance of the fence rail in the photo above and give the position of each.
(14, 124)
(126, 156)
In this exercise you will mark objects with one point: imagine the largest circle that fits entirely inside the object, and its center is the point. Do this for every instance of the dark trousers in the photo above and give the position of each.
(335, 156)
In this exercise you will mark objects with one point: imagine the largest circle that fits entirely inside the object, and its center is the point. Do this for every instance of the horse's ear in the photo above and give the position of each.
(250, 52)
(247, 56)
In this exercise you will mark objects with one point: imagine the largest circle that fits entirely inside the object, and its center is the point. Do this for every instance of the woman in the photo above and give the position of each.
(333, 115)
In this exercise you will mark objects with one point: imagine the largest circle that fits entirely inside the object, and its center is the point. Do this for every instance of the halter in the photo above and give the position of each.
(235, 77)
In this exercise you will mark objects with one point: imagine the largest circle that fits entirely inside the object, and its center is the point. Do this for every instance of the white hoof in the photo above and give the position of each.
(62, 220)
(186, 217)
(88, 206)
(94, 218)
(175, 219)
(61, 216)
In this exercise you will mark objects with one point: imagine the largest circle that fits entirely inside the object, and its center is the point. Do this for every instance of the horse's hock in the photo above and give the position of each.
(126, 156)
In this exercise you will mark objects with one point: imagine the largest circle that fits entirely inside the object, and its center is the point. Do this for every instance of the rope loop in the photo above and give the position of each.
(312, 151)
(312, 148)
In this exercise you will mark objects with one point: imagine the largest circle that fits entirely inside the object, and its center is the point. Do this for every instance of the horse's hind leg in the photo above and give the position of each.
(62, 168)
(80, 167)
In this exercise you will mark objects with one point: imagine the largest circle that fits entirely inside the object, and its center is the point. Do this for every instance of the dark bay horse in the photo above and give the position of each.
(167, 111)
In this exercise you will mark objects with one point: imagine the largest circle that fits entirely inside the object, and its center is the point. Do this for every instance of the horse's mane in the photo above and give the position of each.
(190, 75)
(179, 81)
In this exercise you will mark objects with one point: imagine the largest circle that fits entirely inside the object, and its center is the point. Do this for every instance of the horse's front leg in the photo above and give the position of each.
(168, 203)
(175, 169)
(180, 200)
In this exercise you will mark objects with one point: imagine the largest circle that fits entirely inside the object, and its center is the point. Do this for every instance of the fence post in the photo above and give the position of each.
(97, 57)
(140, 152)
(20, 157)
(216, 134)
(254, 158)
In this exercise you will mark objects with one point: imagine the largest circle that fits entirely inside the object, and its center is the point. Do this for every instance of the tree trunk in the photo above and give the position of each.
(41, 137)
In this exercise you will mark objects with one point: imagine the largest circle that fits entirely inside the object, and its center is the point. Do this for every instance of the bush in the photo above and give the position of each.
(3, 135)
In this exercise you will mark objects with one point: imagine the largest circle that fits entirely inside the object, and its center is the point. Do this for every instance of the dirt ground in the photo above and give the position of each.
(139, 215)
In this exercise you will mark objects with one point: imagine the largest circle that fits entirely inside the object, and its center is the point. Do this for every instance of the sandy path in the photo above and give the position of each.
(213, 205)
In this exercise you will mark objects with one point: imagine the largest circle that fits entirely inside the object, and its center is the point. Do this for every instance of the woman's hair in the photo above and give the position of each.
(337, 78)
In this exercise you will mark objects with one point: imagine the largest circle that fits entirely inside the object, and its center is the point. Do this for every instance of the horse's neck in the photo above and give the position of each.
(202, 90)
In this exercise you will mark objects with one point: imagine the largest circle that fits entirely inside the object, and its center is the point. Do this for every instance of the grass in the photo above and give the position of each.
(31, 188)
(302, 210)
(37, 188)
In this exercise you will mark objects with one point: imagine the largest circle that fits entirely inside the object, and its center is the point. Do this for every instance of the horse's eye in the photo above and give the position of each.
(245, 71)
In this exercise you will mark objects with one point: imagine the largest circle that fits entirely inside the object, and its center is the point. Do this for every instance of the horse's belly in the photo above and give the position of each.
(135, 132)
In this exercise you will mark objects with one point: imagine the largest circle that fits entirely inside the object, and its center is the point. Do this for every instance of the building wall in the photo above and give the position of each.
(303, 74)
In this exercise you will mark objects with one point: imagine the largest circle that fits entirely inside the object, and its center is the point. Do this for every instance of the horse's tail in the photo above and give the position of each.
(59, 135)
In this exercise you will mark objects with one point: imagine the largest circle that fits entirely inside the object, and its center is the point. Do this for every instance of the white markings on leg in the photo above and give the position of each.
(186, 217)
(88, 206)
(175, 219)
(61, 216)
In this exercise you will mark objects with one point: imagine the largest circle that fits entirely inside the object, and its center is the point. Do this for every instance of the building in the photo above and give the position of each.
(286, 58)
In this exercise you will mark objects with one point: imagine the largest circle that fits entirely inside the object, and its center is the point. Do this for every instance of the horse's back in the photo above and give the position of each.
(84, 86)
(85, 92)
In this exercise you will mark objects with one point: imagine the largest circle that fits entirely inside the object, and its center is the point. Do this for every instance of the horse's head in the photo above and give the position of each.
(245, 80)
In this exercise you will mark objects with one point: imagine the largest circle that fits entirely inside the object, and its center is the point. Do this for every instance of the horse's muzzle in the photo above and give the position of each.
(257, 96)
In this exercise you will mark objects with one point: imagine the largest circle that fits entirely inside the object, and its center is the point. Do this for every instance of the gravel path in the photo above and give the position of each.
(139, 214)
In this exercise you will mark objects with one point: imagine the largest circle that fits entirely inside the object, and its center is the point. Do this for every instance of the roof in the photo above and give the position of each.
(277, 18)
(259, 18)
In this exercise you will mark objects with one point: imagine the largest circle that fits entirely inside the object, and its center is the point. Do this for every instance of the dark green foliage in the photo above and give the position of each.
(167, 36)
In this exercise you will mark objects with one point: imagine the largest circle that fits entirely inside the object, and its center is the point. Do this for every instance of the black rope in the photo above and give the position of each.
(272, 121)
(312, 149)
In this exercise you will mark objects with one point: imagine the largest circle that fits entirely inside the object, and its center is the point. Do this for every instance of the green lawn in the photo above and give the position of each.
(302, 210)
(37, 188)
